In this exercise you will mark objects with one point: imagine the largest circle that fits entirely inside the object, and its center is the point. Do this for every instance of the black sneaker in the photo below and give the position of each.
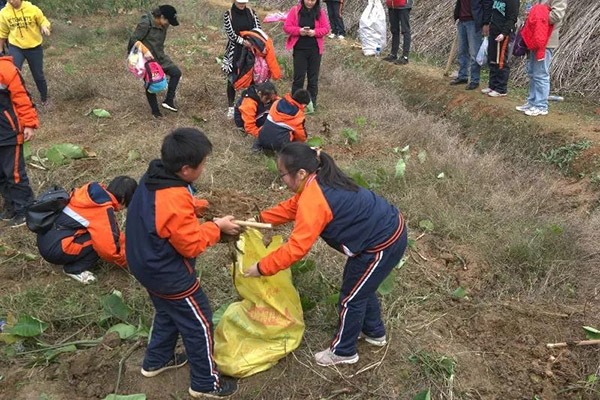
(401, 61)
(17, 221)
(157, 115)
(178, 360)
(472, 86)
(224, 391)
(390, 58)
(170, 105)
(7, 215)
(457, 81)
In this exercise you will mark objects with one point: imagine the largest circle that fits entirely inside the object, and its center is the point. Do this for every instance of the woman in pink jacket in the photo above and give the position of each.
(306, 25)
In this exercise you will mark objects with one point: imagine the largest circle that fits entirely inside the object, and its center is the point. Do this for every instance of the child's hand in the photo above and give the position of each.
(226, 225)
(200, 207)
(252, 271)
(46, 30)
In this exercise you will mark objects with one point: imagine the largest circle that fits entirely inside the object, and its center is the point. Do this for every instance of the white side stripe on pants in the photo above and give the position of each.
(206, 333)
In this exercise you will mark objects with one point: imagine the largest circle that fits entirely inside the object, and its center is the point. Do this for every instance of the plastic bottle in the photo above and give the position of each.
(378, 51)
(2, 324)
(555, 98)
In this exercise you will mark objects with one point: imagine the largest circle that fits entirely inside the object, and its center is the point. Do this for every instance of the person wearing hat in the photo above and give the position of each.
(152, 32)
(238, 19)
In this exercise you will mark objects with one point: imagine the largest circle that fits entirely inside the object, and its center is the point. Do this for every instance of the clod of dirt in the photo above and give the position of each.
(230, 202)
(111, 340)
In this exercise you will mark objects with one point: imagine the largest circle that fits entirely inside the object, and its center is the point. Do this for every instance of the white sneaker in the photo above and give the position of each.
(341, 37)
(375, 341)
(331, 36)
(86, 277)
(230, 112)
(327, 358)
(493, 93)
(534, 112)
(486, 90)
(524, 107)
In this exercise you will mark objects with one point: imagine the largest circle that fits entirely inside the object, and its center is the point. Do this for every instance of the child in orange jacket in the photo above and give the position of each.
(164, 238)
(18, 122)
(86, 230)
(285, 123)
(352, 220)
(253, 107)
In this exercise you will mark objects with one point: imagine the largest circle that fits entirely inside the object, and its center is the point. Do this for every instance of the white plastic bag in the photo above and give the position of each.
(482, 54)
(372, 28)
(136, 63)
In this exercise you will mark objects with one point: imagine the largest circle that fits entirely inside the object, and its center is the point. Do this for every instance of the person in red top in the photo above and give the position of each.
(18, 121)
(86, 230)
(164, 238)
(352, 220)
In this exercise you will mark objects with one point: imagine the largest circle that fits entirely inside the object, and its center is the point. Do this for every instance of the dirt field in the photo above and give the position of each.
(490, 207)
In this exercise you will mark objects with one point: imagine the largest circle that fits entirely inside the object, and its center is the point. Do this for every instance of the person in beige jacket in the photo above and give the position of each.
(539, 70)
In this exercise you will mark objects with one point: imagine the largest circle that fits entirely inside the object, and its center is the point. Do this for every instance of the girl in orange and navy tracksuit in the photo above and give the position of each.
(352, 220)
(253, 107)
(285, 122)
(86, 230)
(18, 118)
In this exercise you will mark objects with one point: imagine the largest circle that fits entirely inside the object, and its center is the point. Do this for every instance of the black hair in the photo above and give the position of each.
(156, 12)
(122, 187)
(296, 156)
(184, 146)
(266, 88)
(314, 13)
(302, 96)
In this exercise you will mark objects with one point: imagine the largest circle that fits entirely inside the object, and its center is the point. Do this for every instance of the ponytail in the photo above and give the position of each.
(296, 156)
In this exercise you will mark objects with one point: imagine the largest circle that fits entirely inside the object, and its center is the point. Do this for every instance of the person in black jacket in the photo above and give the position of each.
(501, 16)
(469, 14)
(239, 18)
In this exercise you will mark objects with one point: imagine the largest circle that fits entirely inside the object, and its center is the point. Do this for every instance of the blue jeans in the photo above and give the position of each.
(469, 41)
(539, 80)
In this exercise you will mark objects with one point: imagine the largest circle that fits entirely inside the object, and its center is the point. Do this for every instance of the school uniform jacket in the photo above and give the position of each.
(164, 235)
(248, 110)
(350, 222)
(16, 107)
(91, 209)
(286, 117)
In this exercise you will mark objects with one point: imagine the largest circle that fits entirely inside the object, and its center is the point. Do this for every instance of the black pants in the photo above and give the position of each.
(174, 74)
(307, 63)
(84, 256)
(400, 23)
(14, 183)
(35, 59)
(498, 63)
(230, 94)
(334, 10)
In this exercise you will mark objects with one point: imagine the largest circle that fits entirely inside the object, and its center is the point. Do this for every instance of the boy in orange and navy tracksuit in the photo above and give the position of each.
(285, 123)
(86, 229)
(163, 239)
(18, 119)
(252, 108)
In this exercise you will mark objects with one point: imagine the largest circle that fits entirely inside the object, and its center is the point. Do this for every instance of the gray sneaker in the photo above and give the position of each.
(328, 358)
(375, 341)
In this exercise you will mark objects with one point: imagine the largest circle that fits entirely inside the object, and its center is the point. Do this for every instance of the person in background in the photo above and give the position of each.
(18, 122)
(285, 122)
(351, 219)
(334, 11)
(538, 70)
(399, 16)
(235, 20)
(306, 25)
(469, 14)
(164, 237)
(501, 16)
(152, 32)
(87, 230)
(252, 108)
(22, 24)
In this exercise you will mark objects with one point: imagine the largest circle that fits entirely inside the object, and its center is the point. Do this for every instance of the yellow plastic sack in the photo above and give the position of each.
(253, 334)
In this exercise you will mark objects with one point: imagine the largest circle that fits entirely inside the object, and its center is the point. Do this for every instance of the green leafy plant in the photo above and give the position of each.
(360, 180)
(307, 304)
(303, 266)
(426, 225)
(459, 293)
(562, 157)
(138, 396)
(591, 333)
(100, 113)
(400, 168)
(271, 165)
(350, 135)
(387, 286)
(64, 153)
(434, 365)
(423, 395)
(115, 307)
(315, 142)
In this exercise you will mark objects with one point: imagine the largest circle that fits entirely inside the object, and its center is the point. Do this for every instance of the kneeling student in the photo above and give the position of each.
(285, 123)
(87, 230)
(164, 238)
(253, 106)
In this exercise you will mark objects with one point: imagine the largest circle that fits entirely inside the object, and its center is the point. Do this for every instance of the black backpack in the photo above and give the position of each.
(41, 214)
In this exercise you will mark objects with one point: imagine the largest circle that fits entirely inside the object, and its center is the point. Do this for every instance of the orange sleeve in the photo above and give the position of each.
(312, 216)
(176, 221)
(107, 238)
(299, 131)
(22, 103)
(200, 206)
(282, 213)
(272, 62)
(248, 110)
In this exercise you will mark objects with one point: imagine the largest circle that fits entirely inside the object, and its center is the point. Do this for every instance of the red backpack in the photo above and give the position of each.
(154, 78)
